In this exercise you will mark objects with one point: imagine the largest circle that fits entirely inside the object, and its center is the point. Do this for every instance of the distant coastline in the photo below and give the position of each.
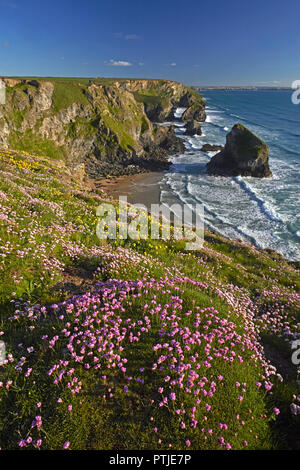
(264, 88)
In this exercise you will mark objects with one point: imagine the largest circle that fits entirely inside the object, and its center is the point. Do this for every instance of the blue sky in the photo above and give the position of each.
(193, 41)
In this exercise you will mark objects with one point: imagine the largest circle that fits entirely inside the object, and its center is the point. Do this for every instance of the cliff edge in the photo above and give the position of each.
(110, 125)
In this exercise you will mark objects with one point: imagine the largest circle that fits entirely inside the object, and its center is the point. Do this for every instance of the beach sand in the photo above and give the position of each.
(142, 188)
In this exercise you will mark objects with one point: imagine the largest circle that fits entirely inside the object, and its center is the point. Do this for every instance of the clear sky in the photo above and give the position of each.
(221, 42)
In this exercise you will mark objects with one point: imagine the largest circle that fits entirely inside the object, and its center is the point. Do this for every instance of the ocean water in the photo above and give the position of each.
(265, 211)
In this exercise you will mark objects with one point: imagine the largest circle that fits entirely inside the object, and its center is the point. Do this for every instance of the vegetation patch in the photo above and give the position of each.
(36, 144)
(68, 93)
(136, 344)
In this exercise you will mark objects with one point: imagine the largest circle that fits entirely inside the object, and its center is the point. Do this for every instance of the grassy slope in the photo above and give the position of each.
(109, 352)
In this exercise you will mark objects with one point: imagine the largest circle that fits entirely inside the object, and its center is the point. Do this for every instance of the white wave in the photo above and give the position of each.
(251, 209)
(213, 110)
(165, 124)
(265, 206)
(196, 146)
(179, 112)
(182, 189)
(211, 153)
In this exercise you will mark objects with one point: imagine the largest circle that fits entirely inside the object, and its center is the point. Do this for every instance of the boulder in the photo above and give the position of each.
(244, 154)
(193, 128)
(211, 148)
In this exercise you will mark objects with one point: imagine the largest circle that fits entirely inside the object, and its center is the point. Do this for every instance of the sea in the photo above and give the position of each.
(265, 211)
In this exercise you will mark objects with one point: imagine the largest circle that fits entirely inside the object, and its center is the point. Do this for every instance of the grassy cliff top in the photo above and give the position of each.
(88, 120)
(135, 344)
(100, 80)
(69, 84)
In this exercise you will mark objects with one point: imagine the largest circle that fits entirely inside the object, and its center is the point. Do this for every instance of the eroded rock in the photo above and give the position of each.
(244, 154)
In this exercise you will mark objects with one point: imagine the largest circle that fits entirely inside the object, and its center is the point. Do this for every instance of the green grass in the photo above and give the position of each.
(81, 127)
(67, 93)
(151, 100)
(47, 234)
(34, 143)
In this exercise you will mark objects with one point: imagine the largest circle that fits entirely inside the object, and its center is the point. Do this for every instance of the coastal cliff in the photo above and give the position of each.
(109, 125)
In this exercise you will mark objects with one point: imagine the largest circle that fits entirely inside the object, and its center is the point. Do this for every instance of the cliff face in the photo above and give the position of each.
(110, 125)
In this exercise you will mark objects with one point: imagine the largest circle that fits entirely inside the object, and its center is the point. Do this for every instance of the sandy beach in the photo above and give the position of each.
(142, 188)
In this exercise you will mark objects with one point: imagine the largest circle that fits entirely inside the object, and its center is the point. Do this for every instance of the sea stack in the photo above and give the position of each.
(193, 128)
(244, 154)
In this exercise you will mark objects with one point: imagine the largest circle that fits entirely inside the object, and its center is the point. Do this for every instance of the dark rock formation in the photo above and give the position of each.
(154, 156)
(193, 128)
(211, 148)
(244, 154)
(166, 143)
(195, 112)
(166, 139)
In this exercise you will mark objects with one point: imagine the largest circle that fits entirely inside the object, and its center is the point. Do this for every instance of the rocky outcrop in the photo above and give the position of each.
(154, 156)
(11, 82)
(165, 143)
(244, 154)
(162, 97)
(211, 148)
(109, 125)
(193, 128)
(195, 112)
